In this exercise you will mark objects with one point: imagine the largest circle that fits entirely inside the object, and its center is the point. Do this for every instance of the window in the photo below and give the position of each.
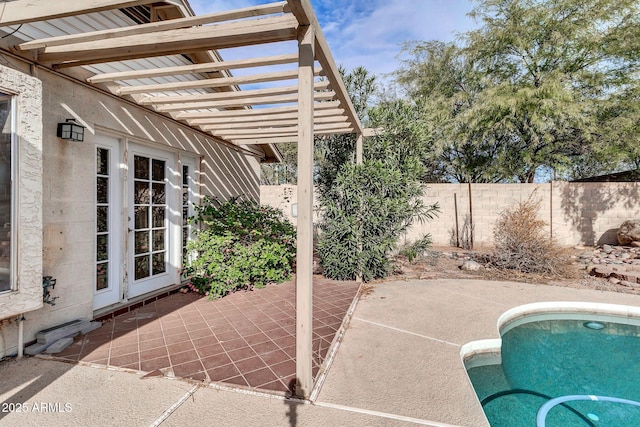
(102, 218)
(7, 126)
(186, 208)
(150, 200)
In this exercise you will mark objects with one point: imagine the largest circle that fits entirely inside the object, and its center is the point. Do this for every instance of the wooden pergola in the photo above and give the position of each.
(200, 89)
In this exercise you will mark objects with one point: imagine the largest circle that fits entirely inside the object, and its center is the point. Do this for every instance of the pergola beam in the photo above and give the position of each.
(222, 125)
(171, 42)
(228, 96)
(152, 27)
(208, 119)
(259, 100)
(211, 83)
(327, 105)
(271, 140)
(25, 11)
(195, 68)
(293, 130)
(252, 138)
(304, 13)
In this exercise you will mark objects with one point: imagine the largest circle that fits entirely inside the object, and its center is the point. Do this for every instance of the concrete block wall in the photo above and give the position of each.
(477, 204)
(576, 213)
(590, 213)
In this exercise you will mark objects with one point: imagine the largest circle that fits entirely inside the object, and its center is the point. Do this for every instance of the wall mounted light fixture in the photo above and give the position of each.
(70, 130)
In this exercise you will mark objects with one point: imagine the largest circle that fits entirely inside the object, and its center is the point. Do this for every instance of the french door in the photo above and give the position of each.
(155, 221)
(107, 281)
(144, 196)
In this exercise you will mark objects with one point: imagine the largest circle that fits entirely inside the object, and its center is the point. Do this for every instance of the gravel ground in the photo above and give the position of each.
(445, 262)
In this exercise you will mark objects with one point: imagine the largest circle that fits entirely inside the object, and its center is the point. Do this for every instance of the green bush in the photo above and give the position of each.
(240, 245)
(372, 203)
(415, 250)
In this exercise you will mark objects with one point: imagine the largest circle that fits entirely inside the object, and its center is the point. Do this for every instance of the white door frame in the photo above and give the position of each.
(192, 187)
(172, 222)
(112, 293)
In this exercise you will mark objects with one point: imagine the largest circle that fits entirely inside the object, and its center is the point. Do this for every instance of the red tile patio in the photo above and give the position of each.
(245, 339)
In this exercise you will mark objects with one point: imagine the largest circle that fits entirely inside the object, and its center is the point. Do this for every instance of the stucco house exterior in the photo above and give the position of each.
(164, 122)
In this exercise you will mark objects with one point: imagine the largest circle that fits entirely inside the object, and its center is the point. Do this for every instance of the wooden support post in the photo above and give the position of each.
(359, 149)
(304, 255)
(359, 162)
(470, 218)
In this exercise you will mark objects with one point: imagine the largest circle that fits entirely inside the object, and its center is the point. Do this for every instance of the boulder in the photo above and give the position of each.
(470, 265)
(629, 232)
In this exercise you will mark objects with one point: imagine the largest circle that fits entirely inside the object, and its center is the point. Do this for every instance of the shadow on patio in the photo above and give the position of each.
(246, 339)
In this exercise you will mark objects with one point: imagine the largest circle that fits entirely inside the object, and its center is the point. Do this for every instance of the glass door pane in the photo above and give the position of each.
(102, 218)
(150, 225)
(186, 207)
(108, 225)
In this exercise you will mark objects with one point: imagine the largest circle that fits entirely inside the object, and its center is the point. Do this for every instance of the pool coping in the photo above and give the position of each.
(540, 311)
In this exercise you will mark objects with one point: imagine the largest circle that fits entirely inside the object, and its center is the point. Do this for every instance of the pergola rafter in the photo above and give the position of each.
(195, 68)
(243, 102)
(172, 42)
(154, 27)
(280, 130)
(228, 96)
(198, 118)
(211, 83)
(222, 125)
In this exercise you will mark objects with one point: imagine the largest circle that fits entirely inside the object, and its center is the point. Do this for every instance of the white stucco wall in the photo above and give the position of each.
(68, 185)
(28, 295)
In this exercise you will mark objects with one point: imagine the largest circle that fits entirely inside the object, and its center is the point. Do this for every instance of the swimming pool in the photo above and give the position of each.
(560, 368)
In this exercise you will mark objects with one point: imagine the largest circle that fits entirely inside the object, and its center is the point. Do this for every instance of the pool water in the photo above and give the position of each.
(547, 359)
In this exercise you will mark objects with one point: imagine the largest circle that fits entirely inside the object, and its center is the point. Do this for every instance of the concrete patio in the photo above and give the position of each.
(398, 364)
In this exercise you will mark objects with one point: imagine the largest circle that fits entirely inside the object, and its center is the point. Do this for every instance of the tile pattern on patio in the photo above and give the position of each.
(246, 338)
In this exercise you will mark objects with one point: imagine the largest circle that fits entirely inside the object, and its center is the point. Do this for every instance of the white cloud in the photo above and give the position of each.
(373, 40)
(368, 33)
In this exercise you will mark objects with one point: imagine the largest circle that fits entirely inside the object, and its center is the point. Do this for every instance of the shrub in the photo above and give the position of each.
(240, 245)
(370, 204)
(523, 244)
(416, 249)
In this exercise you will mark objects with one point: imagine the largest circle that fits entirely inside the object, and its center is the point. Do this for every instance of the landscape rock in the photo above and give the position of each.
(470, 265)
(602, 271)
(607, 249)
(628, 284)
(629, 232)
(635, 244)
(591, 267)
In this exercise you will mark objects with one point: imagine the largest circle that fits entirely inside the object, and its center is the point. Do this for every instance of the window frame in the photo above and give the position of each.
(14, 170)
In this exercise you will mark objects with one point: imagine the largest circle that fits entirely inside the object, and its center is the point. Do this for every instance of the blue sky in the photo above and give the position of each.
(369, 32)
